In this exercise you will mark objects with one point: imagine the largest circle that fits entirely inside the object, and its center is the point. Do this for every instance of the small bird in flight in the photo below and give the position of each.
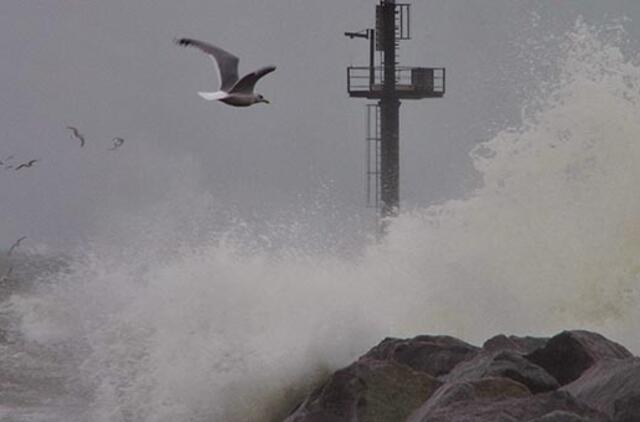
(15, 245)
(75, 133)
(117, 143)
(233, 91)
(26, 165)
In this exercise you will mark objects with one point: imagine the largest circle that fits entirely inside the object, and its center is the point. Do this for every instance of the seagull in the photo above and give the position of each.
(25, 165)
(77, 135)
(15, 245)
(117, 143)
(233, 91)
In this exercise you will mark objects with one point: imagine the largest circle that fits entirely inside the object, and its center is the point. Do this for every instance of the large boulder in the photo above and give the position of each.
(434, 355)
(507, 364)
(557, 404)
(611, 386)
(459, 391)
(368, 391)
(627, 409)
(567, 355)
(559, 416)
(522, 345)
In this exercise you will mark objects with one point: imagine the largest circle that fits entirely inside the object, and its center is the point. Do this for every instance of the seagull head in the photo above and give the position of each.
(261, 99)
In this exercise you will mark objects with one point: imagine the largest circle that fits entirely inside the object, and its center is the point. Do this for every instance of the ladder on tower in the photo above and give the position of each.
(373, 144)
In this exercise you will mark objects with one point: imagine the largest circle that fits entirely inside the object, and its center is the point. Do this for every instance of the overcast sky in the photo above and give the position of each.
(111, 69)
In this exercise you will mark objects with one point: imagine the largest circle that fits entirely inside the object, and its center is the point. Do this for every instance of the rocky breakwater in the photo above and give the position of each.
(575, 376)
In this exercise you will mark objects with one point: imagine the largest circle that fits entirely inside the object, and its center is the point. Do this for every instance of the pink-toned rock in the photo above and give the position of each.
(560, 403)
(484, 389)
(368, 391)
(522, 345)
(567, 355)
(612, 386)
(434, 355)
(506, 364)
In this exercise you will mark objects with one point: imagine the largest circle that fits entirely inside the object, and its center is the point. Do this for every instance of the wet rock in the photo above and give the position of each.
(522, 345)
(560, 416)
(484, 389)
(368, 391)
(506, 364)
(434, 355)
(515, 410)
(627, 409)
(567, 355)
(612, 386)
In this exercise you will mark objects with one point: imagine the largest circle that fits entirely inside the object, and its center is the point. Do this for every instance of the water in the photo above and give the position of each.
(158, 320)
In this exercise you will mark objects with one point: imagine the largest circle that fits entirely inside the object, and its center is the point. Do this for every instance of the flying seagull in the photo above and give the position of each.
(75, 133)
(117, 143)
(233, 91)
(15, 245)
(25, 165)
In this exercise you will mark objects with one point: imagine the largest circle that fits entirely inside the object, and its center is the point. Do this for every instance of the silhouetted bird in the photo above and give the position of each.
(77, 135)
(117, 143)
(16, 245)
(26, 165)
(233, 91)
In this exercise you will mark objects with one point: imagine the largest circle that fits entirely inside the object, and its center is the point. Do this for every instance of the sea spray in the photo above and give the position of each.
(170, 327)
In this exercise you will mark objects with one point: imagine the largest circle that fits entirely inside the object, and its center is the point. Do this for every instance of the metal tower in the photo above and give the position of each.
(388, 83)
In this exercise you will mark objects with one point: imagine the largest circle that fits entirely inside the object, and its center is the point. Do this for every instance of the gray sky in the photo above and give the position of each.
(110, 68)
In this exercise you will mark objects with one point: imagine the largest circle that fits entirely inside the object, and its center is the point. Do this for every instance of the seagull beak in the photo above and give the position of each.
(264, 100)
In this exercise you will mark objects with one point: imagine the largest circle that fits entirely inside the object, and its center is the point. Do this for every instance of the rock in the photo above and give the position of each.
(567, 355)
(507, 364)
(522, 345)
(627, 409)
(434, 355)
(610, 386)
(560, 416)
(368, 391)
(484, 389)
(516, 410)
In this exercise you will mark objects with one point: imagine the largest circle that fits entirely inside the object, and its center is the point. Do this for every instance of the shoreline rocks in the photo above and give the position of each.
(575, 376)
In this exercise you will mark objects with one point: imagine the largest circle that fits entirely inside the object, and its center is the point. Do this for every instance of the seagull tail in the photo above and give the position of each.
(212, 96)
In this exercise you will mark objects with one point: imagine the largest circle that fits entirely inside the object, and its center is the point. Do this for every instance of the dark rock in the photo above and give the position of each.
(570, 353)
(507, 364)
(610, 386)
(484, 389)
(522, 345)
(514, 410)
(368, 391)
(560, 416)
(627, 409)
(434, 355)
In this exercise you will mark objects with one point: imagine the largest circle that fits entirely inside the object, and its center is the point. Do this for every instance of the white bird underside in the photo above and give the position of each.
(233, 91)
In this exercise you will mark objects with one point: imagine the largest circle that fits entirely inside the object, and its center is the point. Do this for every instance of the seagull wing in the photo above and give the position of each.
(248, 82)
(226, 63)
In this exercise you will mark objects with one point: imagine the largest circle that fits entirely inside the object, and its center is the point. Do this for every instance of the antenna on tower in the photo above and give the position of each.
(388, 83)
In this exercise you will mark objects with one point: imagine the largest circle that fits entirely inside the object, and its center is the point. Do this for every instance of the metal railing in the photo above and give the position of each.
(365, 78)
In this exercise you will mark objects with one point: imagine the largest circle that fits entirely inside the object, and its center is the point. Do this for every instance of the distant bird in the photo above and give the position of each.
(75, 133)
(16, 245)
(117, 143)
(233, 91)
(26, 165)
